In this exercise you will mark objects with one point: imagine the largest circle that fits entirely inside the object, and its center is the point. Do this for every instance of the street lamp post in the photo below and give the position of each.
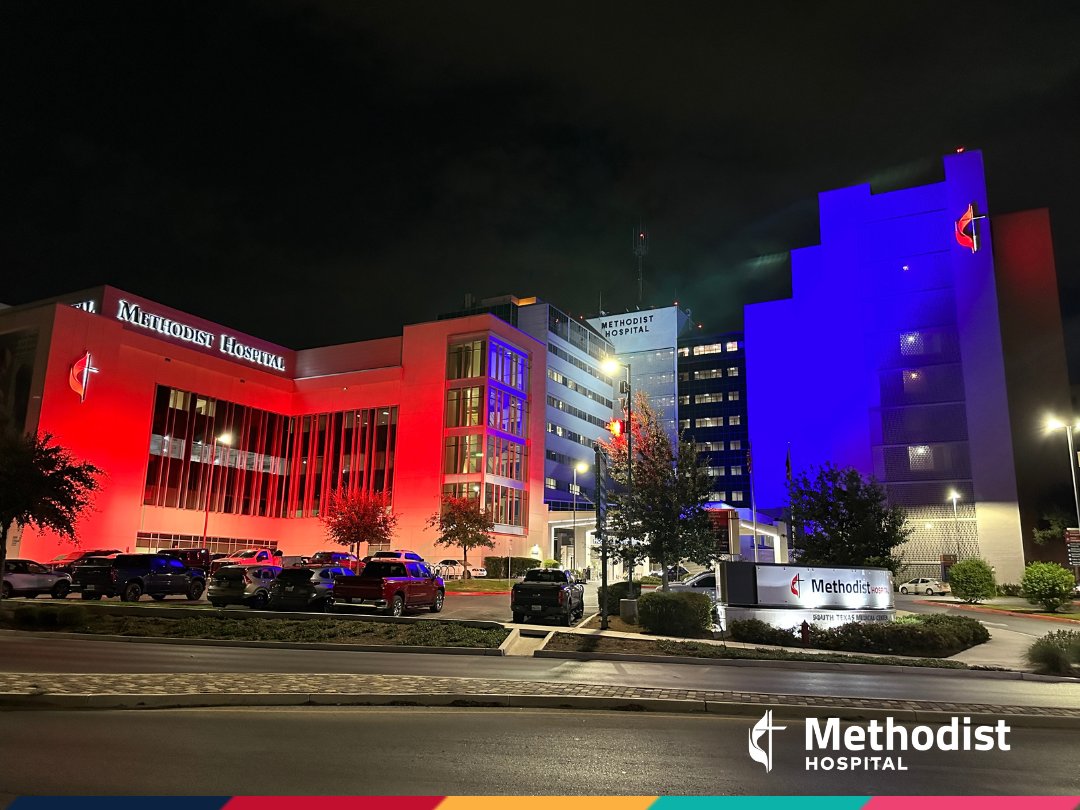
(580, 467)
(611, 365)
(1056, 424)
(954, 496)
(225, 439)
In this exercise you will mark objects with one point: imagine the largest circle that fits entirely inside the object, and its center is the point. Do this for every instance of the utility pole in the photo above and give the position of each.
(601, 469)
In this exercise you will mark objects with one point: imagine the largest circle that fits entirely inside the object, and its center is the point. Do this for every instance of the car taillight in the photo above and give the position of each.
(113, 575)
(562, 596)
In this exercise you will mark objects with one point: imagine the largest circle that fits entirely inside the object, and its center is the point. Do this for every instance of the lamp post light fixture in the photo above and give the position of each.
(610, 366)
(1057, 424)
(954, 496)
(225, 439)
(580, 467)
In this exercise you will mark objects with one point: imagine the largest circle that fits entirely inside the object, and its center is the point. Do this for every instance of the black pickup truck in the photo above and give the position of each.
(129, 576)
(546, 592)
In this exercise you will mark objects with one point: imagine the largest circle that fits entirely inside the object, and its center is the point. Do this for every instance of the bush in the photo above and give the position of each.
(1048, 584)
(1010, 589)
(1055, 653)
(552, 564)
(675, 614)
(934, 635)
(972, 580)
(71, 616)
(496, 566)
(617, 591)
(649, 580)
(755, 631)
(28, 616)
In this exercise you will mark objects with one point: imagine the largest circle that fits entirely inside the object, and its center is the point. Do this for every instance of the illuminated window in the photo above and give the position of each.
(708, 447)
(714, 472)
(708, 374)
(718, 496)
(205, 407)
(506, 412)
(733, 396)
(684, 400)
(706, 399)
(684, 352)
(736, 469)
(550, 483)
(914, 380)
(506, 458)
(733, 371)
(708, 348)
(463, 490)
(736, 496)
(505, 504)
(465, 360)
(920, 457)
(912, 343)
(736, 444)
(506, 365)
(463, 406)
(734, 420)
(710, 421)
(684, 424)
(684, 376)
(575, 489)
(732, 345)
(463, 454)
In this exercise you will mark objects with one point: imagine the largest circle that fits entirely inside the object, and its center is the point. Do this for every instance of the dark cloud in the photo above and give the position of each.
(325, 171)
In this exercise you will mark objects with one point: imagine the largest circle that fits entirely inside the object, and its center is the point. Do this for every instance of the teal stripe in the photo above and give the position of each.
(760, 803)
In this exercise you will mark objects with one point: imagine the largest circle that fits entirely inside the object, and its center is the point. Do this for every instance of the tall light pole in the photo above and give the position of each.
(610, 366)
(226, 439)
(954, 496)
(1057, 424)
(580, 467)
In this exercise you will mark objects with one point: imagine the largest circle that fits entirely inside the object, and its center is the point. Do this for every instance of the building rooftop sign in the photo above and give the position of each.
(641, 331)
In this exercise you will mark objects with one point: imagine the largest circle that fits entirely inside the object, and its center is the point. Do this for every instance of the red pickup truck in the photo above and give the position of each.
(393, 585)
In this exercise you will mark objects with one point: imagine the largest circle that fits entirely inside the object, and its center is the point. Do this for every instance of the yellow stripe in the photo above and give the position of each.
(546, 802)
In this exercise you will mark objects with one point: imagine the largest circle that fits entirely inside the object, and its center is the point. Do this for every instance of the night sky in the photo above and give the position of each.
(318, 172)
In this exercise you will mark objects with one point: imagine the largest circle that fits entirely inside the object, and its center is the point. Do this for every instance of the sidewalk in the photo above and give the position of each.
(133, 691)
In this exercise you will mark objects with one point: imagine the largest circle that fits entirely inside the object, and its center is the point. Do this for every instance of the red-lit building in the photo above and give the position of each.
(206, 433)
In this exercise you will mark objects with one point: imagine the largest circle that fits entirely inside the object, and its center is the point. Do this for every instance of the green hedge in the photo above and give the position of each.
(648, 580)
(933, 635)
(1010, 589)
(617, 591)
(496, 566)
(34, 617)
(675, 614)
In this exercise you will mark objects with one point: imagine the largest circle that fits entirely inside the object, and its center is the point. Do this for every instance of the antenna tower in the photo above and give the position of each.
(641, 247)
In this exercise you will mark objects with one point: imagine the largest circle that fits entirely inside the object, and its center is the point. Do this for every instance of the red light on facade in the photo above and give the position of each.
(959, 149)
(616, 427)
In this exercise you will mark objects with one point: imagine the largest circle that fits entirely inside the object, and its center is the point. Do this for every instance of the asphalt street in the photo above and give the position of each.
(20, 653)
(1034, 628)
(421, 751)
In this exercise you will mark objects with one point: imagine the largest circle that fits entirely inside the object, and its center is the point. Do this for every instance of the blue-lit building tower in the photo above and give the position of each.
(922, 344)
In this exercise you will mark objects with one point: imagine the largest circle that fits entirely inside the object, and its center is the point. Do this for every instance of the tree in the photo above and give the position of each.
(1047, 584)
(462, 523)
(843, 519)
(662, 514)
(41, 485)
(972, 580)
(1056, 521)
(355, 517)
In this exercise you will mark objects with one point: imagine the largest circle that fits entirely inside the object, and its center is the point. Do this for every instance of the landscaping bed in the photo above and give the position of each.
(477, 585)
(576, 642)
(75, 619)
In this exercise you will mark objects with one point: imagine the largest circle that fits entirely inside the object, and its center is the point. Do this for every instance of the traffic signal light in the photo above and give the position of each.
(616, 427)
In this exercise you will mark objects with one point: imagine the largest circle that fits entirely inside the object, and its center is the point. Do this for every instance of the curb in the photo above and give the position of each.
(478, 593)
(996, 612)
(468, 700)
(822, 666)
(285, 645)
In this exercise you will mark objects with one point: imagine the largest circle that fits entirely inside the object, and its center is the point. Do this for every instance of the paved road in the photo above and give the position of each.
(1034, 628)
(472, 751)
(26, 654)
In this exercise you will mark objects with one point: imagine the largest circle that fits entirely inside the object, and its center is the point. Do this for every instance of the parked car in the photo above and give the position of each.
(457, 569)
(548, 592)
(394, 585)
(65, 563)
(29, 578)
(342, 558)
(924, 585)
(129, 576)
(242, 585)
(306, 587)
(705, 583)
(248, 556)
(193, 557)
(396, 554)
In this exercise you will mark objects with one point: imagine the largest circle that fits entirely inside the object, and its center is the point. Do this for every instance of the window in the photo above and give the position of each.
(506, 412)
(462, 490)
(708, 374)
(708, 348)
(465, 360)
(684, 424)
(710, 421)
(462, 454)
(463, 407)
(733, 371)
(914, 381)
(718, 496)
(706, 399)
(734, 420)
(733, 396)
(506, 458)
(714, 472)
(920, 457)
(736, 444)
(709, 447)
(684, 376)
(684, 400)
(506, 505)
(684, 352)
(506, 365)
(550, 483)
(732, 346)
(736, 495)
(736, 469)
(912, 343)
(575, 489)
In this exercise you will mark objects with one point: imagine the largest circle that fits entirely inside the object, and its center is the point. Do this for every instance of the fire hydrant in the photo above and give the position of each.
(804, 631)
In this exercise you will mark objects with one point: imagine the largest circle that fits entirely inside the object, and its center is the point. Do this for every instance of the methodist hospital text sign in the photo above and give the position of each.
(787, 595)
